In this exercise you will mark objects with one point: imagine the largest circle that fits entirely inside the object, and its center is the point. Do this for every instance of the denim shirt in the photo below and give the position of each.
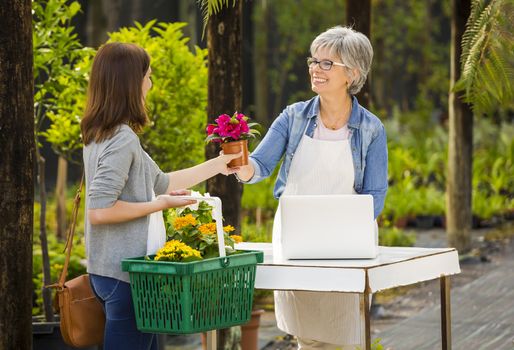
(367, 138)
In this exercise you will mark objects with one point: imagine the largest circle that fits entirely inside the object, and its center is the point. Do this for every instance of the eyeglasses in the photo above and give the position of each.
(323, 64)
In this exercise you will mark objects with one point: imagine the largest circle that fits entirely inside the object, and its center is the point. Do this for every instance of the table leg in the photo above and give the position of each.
(211, 340)
(365, 320)
(446, 323)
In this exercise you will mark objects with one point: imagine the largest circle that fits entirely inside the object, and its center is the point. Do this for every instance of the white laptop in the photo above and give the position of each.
(328, 227)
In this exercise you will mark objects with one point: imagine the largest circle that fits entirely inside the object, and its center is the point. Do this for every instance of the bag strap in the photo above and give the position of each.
(69, 237)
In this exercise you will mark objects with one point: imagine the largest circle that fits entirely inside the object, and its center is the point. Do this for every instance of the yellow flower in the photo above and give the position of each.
(177, 251)
(237, 238)
(183, 221)
(228, 228)
(208, 228)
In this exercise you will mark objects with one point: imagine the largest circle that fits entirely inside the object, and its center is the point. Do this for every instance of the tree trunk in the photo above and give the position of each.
(358, 15)
(260, 66)
(46, 292)
(460, 148)
(224, 41)
(16, 174)
(60, 196)
(96, 23)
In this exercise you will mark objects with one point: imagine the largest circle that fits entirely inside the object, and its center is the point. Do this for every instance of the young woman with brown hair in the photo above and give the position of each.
(121, 180)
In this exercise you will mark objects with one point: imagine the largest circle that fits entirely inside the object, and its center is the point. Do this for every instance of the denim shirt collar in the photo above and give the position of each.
(355, 117)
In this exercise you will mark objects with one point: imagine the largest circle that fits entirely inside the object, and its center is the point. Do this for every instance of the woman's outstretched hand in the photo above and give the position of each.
(171, 200)
(224, 159)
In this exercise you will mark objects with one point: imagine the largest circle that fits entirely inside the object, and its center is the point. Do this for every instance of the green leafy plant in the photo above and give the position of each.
(486, 62)
(395, 237)
(56, 53)
(195, 228)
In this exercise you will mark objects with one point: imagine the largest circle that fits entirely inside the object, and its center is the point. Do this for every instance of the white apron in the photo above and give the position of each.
(156, 238)
(318, 167)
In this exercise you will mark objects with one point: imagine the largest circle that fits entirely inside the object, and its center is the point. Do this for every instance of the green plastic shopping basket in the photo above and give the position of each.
(193, 297)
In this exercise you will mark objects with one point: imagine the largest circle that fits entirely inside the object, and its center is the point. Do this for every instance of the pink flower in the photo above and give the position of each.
(210, 129)
(230, 128)
(223, 120)
(244, 126)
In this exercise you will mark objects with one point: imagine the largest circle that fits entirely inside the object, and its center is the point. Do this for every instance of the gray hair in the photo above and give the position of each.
(352, 47)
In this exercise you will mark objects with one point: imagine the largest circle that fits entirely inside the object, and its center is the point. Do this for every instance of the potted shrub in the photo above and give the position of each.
(431, 205)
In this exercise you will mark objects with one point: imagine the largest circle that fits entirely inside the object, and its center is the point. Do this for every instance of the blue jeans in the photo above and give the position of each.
(120, 324)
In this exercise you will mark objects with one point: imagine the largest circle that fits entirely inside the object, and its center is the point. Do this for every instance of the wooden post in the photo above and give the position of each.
(446, 323)
(211, 340)
(364, 316)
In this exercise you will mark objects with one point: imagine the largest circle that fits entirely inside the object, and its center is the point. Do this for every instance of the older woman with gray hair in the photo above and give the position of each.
(330, 145)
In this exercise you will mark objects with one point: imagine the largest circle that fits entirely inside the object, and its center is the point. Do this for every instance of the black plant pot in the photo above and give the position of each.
(47, 336)
(425, 222)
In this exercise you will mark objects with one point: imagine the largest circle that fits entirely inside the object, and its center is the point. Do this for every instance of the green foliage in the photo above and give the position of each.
(176, 103)
(410, 67)
(64, 131)
(197, 229)
(395, 237)
(260, 195)
(61, 66)
(295, 23)
(493, 169)
(417, 167)
(487, 63)
(178, 99)
(56, 247)
(252, 232)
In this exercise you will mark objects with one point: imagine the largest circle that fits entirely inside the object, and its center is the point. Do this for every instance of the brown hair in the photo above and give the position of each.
(115, 94)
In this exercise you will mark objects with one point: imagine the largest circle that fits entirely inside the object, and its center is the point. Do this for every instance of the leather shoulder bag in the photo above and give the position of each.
(82, 316)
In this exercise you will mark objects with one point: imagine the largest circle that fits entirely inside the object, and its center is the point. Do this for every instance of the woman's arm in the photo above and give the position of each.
(191, 176)
(375, 173)
(268, 153)
(123, 211)
(246, 172)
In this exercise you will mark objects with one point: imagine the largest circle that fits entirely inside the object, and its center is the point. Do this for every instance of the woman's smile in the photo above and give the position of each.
(316, 80)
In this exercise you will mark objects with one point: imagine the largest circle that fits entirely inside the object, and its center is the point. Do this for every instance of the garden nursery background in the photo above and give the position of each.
(408, 90)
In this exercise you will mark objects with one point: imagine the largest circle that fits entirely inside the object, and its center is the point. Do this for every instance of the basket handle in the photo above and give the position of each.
(218, 217)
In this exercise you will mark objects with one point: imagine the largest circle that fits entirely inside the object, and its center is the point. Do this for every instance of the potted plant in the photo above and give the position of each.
(233, 134)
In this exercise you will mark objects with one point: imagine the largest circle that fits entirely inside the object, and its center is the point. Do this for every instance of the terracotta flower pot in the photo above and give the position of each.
(236, 147)
(250, 332)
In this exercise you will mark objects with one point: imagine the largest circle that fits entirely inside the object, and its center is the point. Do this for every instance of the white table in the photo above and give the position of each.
(392, 268)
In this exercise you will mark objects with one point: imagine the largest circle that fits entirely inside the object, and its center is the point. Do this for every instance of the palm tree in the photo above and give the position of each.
(481, 83)
(487, 62)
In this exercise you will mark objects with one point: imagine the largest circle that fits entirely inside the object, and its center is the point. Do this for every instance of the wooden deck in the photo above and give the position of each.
(482, 317)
